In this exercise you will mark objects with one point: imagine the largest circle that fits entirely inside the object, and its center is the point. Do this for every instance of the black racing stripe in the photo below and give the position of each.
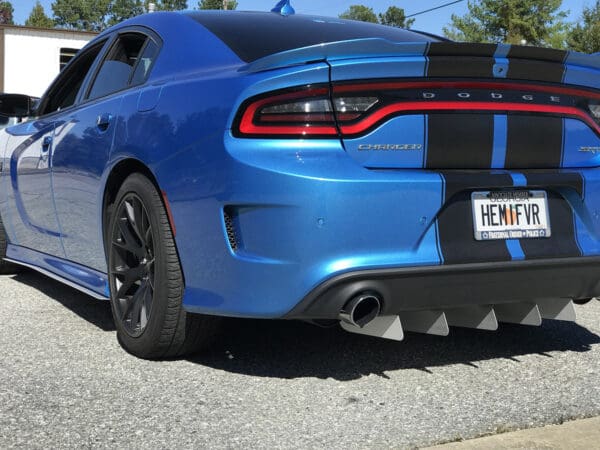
(457, 181)
(519, 69)
(460, 66)
(540, 54)
(460, 141)
(562, 242)
(455, 221)
(461, 49)
(534, 142)
(553, 179)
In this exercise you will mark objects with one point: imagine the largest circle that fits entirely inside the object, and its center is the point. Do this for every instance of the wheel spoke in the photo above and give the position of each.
(140, 218)
(129, 280)
(148, 297)
(133, 218)
(135, 215)
(150, 266)
(129, 274)
(146, 302)
(137, 303)
(125, 287)
(148, 241)
(124, 307)
(131, 244)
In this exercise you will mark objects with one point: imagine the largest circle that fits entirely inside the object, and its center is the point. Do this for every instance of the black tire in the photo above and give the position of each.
(145, 278)
(5, 267)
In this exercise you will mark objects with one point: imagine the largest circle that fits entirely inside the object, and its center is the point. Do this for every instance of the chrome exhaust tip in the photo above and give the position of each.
(361, 309)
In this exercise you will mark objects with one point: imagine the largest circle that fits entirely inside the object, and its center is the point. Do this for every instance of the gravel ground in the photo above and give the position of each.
(65, 382)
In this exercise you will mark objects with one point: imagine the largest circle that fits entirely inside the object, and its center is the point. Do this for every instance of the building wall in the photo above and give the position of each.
(32, 57)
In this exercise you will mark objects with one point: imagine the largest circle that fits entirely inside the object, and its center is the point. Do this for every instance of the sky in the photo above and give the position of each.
(432, 22)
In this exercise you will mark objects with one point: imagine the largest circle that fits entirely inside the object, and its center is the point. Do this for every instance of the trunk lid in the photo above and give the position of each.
(473, 106)
(445, 105)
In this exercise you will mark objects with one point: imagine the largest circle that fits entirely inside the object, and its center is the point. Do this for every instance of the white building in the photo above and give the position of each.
(30, 58)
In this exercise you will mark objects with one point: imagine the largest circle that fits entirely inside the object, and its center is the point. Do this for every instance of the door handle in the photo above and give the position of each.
(46, 142)
(103, 121)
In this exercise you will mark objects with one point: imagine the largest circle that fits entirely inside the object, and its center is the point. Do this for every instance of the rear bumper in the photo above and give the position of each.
(441, 287)
(304, 218)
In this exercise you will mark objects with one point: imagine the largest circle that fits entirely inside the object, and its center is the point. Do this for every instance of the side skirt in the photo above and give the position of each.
(84, 279)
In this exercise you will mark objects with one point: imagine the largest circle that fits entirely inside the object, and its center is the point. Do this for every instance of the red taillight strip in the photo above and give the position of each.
(309, 117)
(295, 130)
(426, 106)
(248, 127)
(465, 85)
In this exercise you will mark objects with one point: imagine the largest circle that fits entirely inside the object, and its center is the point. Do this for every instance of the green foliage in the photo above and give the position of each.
(395, 17)
(89, 15)
(170, 5)
(121, 10)
(6, 13)
(360, 12)
(216, 4)
(538, 22)
(585, 37)
(38, 17)
(95, 15)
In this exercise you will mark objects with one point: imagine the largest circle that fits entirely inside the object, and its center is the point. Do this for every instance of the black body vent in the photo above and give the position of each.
(230, 228)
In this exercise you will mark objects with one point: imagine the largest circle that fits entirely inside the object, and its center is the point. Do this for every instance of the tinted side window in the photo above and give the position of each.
(118, 66)
(64, 91)
(145, 63)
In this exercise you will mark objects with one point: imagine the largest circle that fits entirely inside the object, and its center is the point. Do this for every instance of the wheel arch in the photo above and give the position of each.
(117, 175)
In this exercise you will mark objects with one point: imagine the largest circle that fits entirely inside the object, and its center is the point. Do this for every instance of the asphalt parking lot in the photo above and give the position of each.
(65, 382)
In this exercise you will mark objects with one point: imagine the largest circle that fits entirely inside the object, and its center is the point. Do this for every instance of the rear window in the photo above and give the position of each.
(253, 35)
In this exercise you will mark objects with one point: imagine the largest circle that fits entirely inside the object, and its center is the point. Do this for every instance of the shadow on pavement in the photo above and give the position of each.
(282, 349)
(96, 312)
(285, 349)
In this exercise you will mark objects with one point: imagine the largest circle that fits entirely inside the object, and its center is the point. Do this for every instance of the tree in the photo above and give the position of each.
(38, 17)
(121, 10)
(171, 5)
(395, 17)
(89, 15)
(6, 13)
(585, 37)
(359, 12)
(510, 21)
(216, 4)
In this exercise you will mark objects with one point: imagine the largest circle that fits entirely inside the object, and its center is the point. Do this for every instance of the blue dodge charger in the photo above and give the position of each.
(190, 166)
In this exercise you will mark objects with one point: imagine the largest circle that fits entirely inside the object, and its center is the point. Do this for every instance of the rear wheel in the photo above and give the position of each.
(5, 267)
(145, 278)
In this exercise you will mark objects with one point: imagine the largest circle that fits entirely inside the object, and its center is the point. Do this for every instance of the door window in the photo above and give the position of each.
(145, 63)
(120, 65)
(64, 90)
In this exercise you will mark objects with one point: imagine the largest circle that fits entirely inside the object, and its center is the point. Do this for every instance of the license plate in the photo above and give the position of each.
(510, 215)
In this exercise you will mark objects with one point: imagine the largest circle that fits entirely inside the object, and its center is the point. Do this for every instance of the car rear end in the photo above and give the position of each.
(413, 186)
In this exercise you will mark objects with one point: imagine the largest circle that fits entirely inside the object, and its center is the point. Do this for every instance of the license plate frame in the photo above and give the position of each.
(510, 214)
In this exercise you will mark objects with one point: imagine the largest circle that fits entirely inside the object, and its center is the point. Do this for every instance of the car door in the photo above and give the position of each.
(34, 222)
(82, 143)
(30, 199)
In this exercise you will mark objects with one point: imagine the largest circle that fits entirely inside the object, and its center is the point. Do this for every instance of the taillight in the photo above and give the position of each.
(306, 112)
(595, 110)
(351, 110)
(384, 100)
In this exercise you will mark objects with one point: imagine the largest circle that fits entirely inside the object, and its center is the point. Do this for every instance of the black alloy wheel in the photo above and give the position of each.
(132, 269)
(145, 277)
